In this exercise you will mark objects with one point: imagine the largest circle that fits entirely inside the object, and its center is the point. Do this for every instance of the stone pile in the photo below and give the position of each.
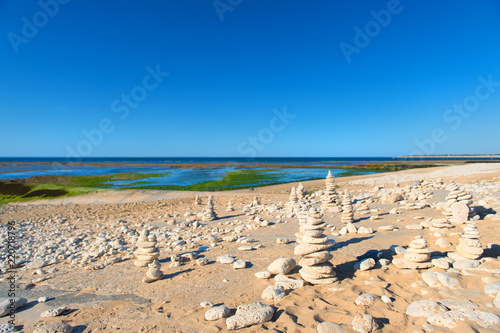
(146, 251)
(301, 193)
(417, 255)
(330, 196)
(458, 194)
(312, 250)
(154, 273)
(347, 210)
(469, 245)
(293, 196)
(208, 213)
(197, 200)
(230, 207)
(255, 202)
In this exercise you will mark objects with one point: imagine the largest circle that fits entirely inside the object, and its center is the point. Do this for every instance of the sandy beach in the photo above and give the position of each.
(79, 253)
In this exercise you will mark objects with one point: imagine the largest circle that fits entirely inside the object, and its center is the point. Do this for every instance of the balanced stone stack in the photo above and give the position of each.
(458, 194)
(208, 213)
(293, 196)
(230, 207)
(418, 250)
(197, 200)
(312, 250)
(255, 202)
(347, 210)
(469, 245)
(146, 251)
(417, 255)
(154, 273)
(330, 196)
(301, 193)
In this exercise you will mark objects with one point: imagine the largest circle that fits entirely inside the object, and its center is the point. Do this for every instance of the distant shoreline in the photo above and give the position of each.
(335, 164)
(452, 156)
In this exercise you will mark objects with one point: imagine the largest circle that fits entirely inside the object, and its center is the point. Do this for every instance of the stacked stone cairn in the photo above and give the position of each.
(146, 251)
(301, 193)
(469, 245)
(293, 196)
(417, 255)
(255, 202)
(197, 200)
(208, 213)
(458, 194)
(230, 207)
(456, 201)
(154, 273)
(330, 196)
(312, 250)
(347, 210)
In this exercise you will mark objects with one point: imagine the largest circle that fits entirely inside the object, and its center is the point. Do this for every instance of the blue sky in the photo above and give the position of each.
(236, 66)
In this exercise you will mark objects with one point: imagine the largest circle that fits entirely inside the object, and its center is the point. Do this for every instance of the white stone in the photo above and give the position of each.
(273, 293)
(282, 266)
(263, 275)
(217, 313)
(250, 314)
(364, 264)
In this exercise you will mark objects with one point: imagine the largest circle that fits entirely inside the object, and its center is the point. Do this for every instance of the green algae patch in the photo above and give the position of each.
(242, 179)
(15, 191)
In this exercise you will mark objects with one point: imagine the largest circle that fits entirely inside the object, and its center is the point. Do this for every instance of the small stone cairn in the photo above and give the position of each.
(146, 251)
(208, 213)
(417, 255)
(469, 245)
(301, 193)
(347, 210)
(154, 273)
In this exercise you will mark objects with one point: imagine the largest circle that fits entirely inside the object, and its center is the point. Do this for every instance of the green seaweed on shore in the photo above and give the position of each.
(14, 191)
(242, 179)
(232, 181)
(100, 181)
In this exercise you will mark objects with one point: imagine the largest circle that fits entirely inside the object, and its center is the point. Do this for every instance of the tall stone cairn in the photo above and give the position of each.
(197, 200)
(208, 213)
(330, 196)
(312, 250)
(301, 193)
(347, 210)
(293, 196)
